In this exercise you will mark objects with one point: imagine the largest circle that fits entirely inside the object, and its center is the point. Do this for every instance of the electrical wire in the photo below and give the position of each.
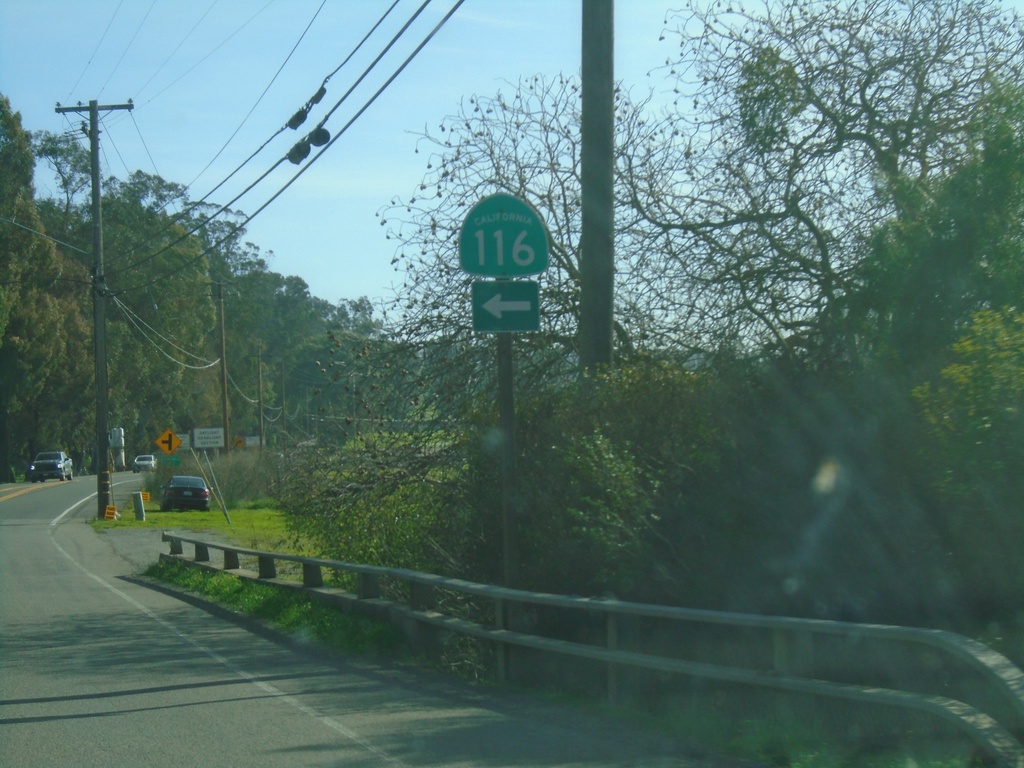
(224, 208)
(315, 99)
(208, 55)
(143, 140)
(344, 97)
(127, 48)
(88, 63)
(46, 236)
(250, 400)
(117, 151)
(260, 99)
(221, 44)
(358, 114)
(235, 228)
(177, 47)
(138, 322)
(381, 55)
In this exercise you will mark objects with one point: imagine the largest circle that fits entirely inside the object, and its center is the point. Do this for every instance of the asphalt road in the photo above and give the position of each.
(98, 668)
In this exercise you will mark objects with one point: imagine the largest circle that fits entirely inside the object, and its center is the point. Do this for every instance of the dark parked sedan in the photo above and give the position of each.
(185, 492)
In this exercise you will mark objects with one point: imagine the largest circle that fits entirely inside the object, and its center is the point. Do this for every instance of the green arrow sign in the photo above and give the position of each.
(505, 306)
(503, 236)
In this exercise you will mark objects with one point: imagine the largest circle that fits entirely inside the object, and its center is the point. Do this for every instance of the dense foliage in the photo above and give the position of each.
(812, 411)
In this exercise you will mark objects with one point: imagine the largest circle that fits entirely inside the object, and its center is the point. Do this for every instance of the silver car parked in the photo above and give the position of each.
(145, 462)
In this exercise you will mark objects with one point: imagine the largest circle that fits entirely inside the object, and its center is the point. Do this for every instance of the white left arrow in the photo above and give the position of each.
(496, 306)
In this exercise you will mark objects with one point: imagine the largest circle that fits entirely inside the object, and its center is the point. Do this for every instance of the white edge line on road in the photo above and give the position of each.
(239, 672)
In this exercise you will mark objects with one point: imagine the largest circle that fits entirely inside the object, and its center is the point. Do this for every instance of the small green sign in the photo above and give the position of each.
(503, 236)
(171, 461)
(503, 306)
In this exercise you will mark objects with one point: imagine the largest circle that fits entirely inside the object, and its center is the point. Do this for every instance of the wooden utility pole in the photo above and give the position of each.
(259, 378)
(223, 366)
(99, 295)
(284, 411)
(597, 168)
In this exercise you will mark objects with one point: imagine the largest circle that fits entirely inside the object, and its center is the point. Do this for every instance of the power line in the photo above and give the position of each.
(387, 48)
(237, 227)
(46, 236)
(177, 47)
(127, 48)
(358, 114)
(208, 55)
(250, 400)
(144, 145)
(138, 322)
(110, 140)
(99, 44)
(260, 99)
(293, 122)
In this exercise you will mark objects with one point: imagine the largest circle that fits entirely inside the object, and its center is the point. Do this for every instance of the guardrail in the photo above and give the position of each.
(989, 708)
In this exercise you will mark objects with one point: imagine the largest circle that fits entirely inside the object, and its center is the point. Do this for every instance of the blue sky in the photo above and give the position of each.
(213, 80)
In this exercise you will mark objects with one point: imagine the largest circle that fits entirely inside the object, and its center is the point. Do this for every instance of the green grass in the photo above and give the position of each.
(289, 612)
(790, 740)
(255, 525)
(258, 526)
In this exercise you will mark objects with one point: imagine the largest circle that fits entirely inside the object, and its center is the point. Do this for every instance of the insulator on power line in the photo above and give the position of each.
(298, 118)
(299, 152)
(318, 95)
(319, 136)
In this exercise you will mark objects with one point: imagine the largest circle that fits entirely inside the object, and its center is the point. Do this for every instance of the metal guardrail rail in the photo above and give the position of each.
(1003, 679)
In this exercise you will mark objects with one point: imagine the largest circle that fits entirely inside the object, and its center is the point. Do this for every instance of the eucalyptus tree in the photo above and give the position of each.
(44, 369)
(160, 313)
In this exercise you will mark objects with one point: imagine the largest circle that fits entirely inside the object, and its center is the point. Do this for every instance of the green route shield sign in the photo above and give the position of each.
(503, 236)
(504, 306)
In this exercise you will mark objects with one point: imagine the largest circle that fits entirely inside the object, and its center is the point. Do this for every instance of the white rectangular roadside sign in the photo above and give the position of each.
(208, 437)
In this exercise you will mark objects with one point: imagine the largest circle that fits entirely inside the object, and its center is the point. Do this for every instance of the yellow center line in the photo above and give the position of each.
(19, 492)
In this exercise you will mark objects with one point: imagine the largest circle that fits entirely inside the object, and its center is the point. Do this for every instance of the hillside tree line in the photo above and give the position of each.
(170, 267)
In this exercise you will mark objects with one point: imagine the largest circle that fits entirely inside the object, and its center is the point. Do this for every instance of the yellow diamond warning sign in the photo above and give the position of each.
(168, 442)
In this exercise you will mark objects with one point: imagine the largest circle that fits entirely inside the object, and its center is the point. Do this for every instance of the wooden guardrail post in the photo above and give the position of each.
(268, 570)
(231, 560)
(421, 596)
(312, 576)
(367, 586)
(501, 651)
(613, 668)
(202, 553)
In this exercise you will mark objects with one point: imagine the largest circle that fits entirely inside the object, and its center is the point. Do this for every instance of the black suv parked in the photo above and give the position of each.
(55, 464)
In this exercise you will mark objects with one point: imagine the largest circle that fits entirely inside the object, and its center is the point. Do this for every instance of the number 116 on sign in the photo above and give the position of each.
(503, 236)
